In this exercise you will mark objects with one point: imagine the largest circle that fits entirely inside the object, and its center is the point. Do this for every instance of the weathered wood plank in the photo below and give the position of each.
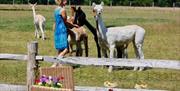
(13, 57)
(9, 87)
(155, 63)
(170, 64)
(86, 88)
(5, 56)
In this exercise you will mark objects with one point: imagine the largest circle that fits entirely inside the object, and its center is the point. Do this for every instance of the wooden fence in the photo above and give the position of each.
(33, 64)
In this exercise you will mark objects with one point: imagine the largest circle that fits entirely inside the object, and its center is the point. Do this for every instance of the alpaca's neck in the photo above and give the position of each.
(34, 13)
(89, 25)
(101, 27)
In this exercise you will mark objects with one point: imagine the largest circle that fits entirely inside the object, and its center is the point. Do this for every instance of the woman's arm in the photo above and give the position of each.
(69, 25)
(54, 25)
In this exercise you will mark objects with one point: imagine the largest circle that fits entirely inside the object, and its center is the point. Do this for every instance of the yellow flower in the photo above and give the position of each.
(110, 84)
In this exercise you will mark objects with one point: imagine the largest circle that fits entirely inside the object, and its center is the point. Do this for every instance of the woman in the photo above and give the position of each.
(60, 33)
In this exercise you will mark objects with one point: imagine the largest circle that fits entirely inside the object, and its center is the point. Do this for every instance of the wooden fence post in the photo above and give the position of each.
(31, 63)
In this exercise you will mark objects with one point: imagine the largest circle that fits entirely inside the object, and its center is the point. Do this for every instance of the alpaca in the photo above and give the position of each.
(76, 36)
(39, 22)
(80, 19)
(118, 37)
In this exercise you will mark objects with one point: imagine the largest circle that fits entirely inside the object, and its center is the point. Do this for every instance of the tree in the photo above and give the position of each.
(142, 2)
(164, 3)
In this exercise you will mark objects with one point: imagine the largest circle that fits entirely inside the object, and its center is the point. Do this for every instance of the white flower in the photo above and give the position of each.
(40, 83)
(59, 84)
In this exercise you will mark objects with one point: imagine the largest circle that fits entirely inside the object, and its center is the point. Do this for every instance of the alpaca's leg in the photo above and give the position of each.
(125, 52)
(119, 52)
(141, 55)
(112, 52)
(78, 48)
(104, 51)
(36, 31)
(86, 45)
(78, 44)
(140, 51)
(136, 52)
(97, 45)
(139, 39)
(42, 31)
(115, 53)
(70, 49)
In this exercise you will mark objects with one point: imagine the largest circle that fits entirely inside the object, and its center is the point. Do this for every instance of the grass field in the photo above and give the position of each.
(162, 38)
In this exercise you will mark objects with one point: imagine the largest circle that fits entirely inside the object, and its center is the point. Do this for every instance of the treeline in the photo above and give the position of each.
(161, 3)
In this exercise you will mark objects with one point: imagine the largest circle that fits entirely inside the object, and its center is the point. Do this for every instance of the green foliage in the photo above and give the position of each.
(142, 2)
(86, 2)
(164, 3)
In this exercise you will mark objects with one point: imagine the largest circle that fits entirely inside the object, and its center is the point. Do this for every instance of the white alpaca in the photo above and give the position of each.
(118, 37)
(39, 22)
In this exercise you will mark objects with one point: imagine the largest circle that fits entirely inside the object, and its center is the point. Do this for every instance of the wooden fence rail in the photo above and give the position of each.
(154, 63)
(32, 62)
(8, 87)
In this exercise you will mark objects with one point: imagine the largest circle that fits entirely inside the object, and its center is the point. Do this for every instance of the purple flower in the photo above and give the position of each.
(55, 80)
(50, 81)
(43, 79)
(43, 76)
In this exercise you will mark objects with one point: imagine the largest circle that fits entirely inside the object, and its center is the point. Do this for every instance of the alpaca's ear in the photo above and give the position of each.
(35, 4)
(93, 4)
(30, 4)
(79, 8)
(102, 3)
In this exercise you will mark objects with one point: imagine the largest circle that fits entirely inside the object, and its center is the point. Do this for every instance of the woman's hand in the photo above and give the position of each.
(75, 25)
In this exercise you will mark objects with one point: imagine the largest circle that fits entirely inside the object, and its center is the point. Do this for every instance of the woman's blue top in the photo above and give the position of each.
(60, 34)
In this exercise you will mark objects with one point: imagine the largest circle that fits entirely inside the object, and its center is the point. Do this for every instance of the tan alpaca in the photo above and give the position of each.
(39, 22)
(76, 36)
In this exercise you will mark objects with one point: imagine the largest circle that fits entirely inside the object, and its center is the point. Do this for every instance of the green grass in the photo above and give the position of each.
(161, 42)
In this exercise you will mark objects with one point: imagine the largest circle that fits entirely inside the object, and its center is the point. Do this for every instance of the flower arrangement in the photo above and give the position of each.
(49, 81)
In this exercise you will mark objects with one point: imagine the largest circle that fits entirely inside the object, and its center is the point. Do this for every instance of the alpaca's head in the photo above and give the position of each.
(80, 17)
(33, 5)
(97, 9)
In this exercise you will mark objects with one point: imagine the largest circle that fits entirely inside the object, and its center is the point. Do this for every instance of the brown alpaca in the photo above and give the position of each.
(76, 36)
